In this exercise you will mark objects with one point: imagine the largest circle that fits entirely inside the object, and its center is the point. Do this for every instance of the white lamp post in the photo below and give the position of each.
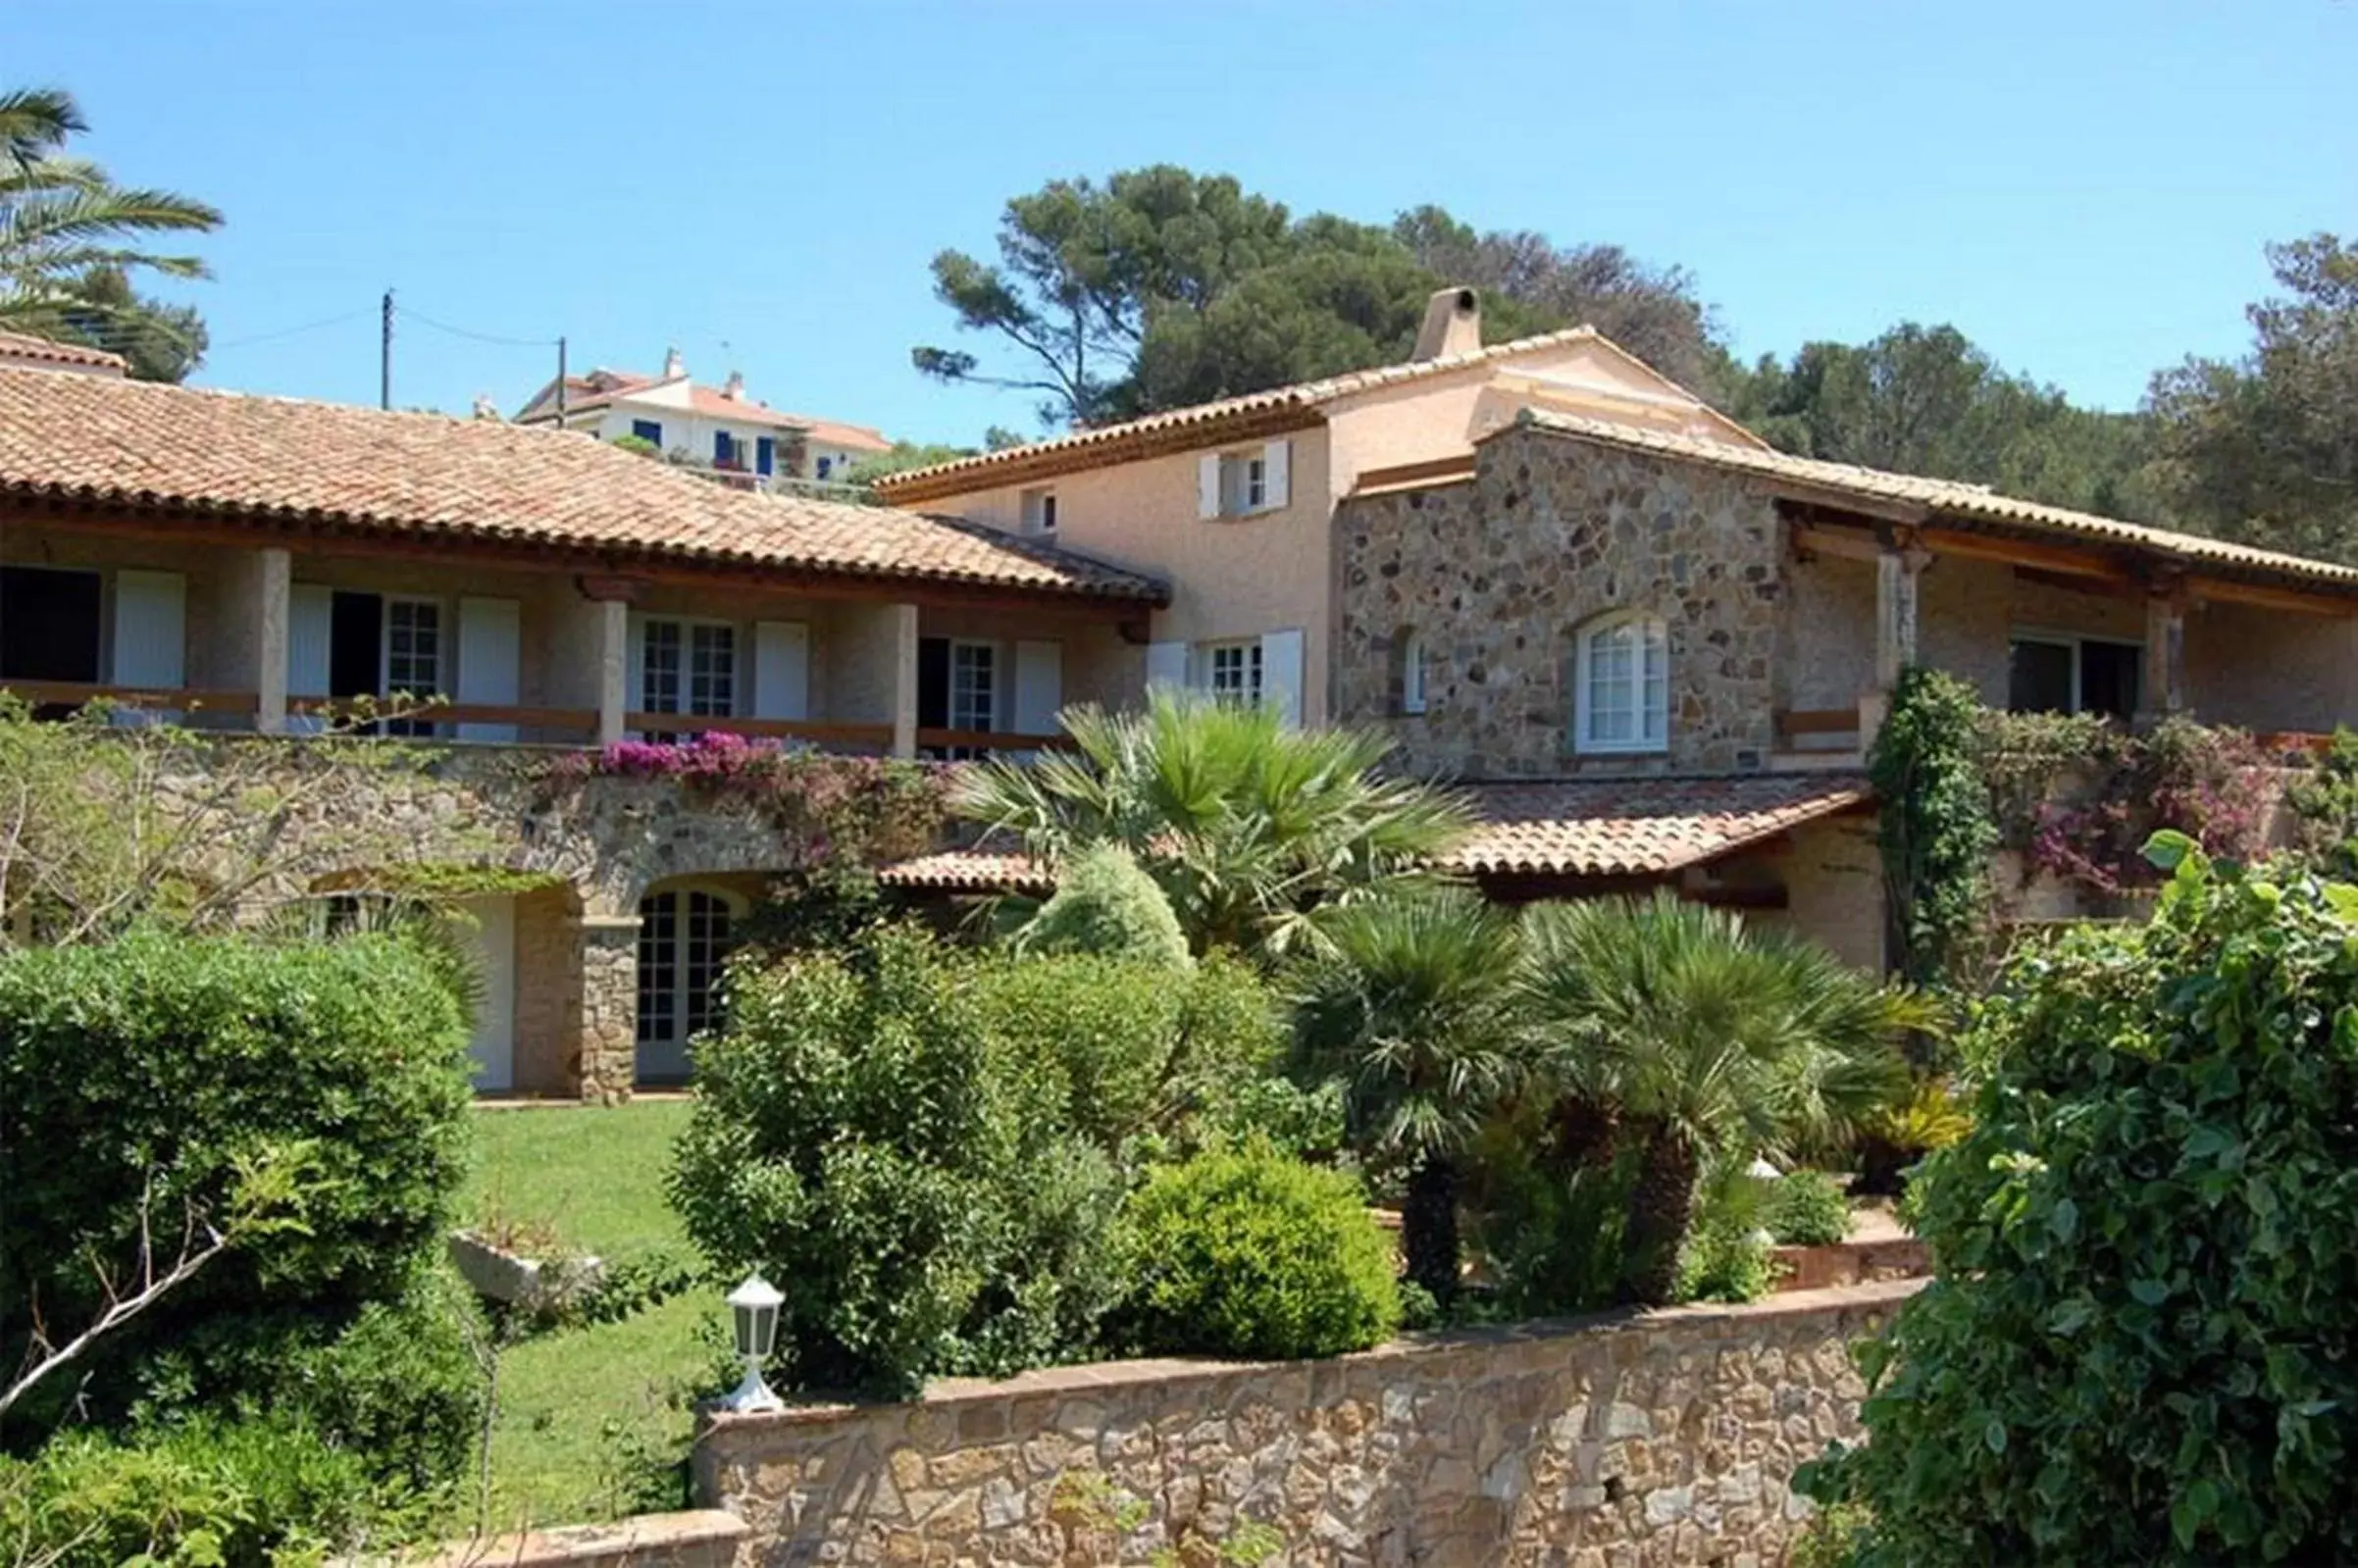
(754, 1306)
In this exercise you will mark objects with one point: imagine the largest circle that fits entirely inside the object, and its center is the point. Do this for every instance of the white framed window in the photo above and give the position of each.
(1040, 512)
(2064, 672)
(973, 685)
(1412, 675)
(685, 934)
(413, 656)
(1621, 685)
(1232, 672)
(688, 666)
(1241, 484)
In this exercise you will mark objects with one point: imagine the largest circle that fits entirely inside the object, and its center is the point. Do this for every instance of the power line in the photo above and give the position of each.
(424, 320)
(290, 331)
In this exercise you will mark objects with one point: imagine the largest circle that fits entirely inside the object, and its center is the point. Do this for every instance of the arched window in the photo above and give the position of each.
(1621, 685)
(1410, 662)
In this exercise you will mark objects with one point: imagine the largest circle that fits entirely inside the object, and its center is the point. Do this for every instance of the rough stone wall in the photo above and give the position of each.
(1499, 574)
(1660, 1439)
(548, 989)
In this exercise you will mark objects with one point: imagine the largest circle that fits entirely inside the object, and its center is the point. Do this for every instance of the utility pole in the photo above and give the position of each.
(560, 382)
(385, 356)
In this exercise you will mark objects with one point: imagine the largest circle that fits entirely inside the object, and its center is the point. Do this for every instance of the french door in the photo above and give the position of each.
(683, 937)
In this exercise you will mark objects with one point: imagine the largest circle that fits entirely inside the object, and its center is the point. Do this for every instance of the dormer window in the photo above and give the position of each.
(1621, 685)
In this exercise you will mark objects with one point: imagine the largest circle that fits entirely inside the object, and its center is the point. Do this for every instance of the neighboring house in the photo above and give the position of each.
(1654, 649)
(246, 561)
(713, 428)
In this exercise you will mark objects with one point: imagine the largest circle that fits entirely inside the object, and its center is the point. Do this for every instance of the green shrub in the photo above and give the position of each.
(1807, 1208)
(863, 1137)
(162, 1063)
(198, 1495)
(1936, 830)
(1132, 1056)
(1245, 1253)
(1725, 1255)
(1549, 1228)
(2135, 1347)
(1104, 904)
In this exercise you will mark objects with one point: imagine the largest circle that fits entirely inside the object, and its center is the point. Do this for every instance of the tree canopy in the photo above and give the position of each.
(71, 240)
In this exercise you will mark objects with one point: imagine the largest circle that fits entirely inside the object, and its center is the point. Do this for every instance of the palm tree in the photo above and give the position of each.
(63, 222)
(1414, 1008)
(1706, 1034)
(1256, 832)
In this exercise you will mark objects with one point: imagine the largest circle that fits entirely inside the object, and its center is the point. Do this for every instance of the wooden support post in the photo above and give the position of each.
(2164, 686)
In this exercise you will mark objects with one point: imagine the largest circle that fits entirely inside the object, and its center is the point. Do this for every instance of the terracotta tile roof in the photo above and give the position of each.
(25, 345)
(279, 460)
(1209, 421)
(1566, 828)
(1950, 499)
(969, 870)
(1638, 826)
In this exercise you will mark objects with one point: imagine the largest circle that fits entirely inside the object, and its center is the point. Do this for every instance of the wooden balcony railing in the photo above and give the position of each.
(80, 693)
(1797, 724)
(973, 740)
(821, 733)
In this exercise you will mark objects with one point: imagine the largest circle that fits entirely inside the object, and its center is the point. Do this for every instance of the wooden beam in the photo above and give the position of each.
(2025, 553)
(2220, 590)
(1817, 721)
(75, 694)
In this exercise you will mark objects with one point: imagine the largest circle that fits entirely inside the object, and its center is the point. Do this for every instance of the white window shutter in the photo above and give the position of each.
(1208, 484)
(1281, 675)
(781, 670)
(310, 618)
(1167, 665)
(490, 655)
(1039, 686)
(1276, 473)
(151, 638)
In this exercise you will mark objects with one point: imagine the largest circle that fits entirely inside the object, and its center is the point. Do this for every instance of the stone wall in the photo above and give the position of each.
(1655, 1439)
(1498, 575)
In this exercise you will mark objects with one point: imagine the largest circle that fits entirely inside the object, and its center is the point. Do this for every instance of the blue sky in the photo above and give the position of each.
(2083, 187)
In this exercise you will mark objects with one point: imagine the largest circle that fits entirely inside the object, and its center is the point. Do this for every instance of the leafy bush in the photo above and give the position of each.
(167, 1066)
(863, 1137)
(1245, 1252)
(1936, 829)
(1132, 1056)
(194, 1497)
(1807, 1208)
(2148, 1255)
(2325, 805)
(1548, 1228)
(1896, 1140)
(1104, 904)
(1726, 1257)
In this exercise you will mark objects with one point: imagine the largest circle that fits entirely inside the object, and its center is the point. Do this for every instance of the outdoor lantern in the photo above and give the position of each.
(754, 1306)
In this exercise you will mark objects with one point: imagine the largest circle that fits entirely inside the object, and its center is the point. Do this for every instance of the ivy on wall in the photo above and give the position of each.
(1936, 827)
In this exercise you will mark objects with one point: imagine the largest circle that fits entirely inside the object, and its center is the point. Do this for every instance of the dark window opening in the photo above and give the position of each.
(48, 623)
(2074, 675)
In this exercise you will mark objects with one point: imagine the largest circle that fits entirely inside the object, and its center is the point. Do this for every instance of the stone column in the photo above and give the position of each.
(2165, 686)
(1897, 569)
(613, 669)
(606, 1060)
(274, 580)
(904, 679)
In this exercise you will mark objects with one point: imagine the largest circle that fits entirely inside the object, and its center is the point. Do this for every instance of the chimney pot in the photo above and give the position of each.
(674, 366)
(1453, 324)
(736, 386)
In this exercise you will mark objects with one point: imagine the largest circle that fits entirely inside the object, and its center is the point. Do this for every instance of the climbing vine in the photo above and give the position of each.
(1936, 826)
(2325, 807)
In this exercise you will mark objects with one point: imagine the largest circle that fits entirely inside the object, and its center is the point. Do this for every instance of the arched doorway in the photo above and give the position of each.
(685, 933)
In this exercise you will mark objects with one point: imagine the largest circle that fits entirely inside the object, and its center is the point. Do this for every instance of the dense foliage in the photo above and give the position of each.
(1936, 828)
(1807, 1208)
(862, 1131)
(1104, 904)
(175, 1069)
(2325, 806)
(2148, 1253)
(1245, 1253)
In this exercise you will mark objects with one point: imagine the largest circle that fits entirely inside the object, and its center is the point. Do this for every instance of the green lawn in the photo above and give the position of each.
(584, 1412)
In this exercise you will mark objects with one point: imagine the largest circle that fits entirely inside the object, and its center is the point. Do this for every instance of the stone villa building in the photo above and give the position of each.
(1653, 649)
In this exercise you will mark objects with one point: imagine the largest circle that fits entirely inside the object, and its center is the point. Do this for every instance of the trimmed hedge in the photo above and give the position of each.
(1245, 1253)
(152, 1066)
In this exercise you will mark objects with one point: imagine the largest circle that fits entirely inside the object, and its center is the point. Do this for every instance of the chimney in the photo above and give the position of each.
(674, 366)
(1453, 324)
(484, 408)
(737, 386)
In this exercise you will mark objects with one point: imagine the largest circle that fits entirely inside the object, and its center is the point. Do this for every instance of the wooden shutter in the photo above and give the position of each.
(781, 670)
(1039, 686)
(1276, 473)
(151, 638)
(490, 653)
(1281, 675)
(1208, 484)
(310, 627)
(1167, 665)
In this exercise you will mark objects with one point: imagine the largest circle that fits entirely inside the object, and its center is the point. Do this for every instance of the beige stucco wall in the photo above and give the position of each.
(1832, 874)
(2271, 668)
(1098, 665)
(1499, 575)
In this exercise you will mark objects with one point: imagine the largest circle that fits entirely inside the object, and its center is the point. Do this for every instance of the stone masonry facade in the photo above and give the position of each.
(1635, 1441)
(1498, 576)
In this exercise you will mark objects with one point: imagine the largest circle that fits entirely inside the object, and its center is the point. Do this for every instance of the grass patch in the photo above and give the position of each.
(592, 1417)
(593, 1175)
